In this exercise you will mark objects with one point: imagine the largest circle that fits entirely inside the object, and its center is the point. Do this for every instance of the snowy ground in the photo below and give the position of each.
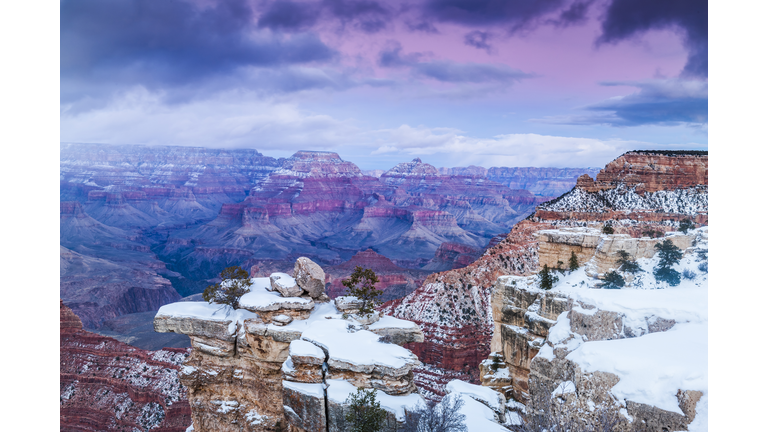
(652, 367)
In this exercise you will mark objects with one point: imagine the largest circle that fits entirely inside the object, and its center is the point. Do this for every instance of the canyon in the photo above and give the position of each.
(454, 308)
(145, 226)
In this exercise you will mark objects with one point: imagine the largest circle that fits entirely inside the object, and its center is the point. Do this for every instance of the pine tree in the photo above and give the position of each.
(626, 262)
(573, 262)
(546, 279)
(612, 280)
(686, 225)
(361, 285)
(365, 413)
(669, 255)
(234, 283)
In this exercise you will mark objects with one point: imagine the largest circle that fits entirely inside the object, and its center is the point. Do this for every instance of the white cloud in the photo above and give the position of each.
(279, 127)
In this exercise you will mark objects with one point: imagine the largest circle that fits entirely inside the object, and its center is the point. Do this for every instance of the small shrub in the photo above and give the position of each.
(440, 417)
(365, 413)
(361, 285)
(234, 283)
(573, 262)
(704, 267)
(686, 225)
(703, 258)
(612, 280)
(607, 229)
(546, 279)
(687, 274)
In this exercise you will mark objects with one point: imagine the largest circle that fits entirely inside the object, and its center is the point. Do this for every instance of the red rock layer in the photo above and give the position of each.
(106, 385)
(453, 309)
(651, 171)
(391, 277)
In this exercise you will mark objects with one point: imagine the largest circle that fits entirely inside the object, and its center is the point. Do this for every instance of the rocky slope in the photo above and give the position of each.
(108, 385)
(454, 307)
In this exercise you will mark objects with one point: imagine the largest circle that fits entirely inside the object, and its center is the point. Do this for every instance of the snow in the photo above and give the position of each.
(651, 368)
(303, 348)
(321, 312)
(387, 321)
(283, 279)
(477, 417)
(339, 390)
(564, 388)
(254, 418)
(314, 390)
(262, 299)
(490, 397)
(360, 347)
(206, 311)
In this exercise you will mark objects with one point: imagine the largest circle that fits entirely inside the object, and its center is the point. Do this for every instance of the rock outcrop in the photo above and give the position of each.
(450, 335)
(248, 372)
(642, 186)
(108, 385)
(529, 362)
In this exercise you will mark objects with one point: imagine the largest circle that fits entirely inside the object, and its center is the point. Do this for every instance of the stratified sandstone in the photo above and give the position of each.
(250, 373)
(106, 385)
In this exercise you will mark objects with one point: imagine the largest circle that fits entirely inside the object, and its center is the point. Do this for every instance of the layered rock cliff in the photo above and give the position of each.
(289, 359)
(443, 302)
(108, 385)
(578, 348)
(643, 186)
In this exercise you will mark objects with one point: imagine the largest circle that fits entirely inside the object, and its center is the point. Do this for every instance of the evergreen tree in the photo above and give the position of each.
(234, 283)
(573, 262)
(546, 278)
(612, 280)
(607, 229)
(626, 262)
(669, 255)
(361, 285)
(686, 225)
(365, 413)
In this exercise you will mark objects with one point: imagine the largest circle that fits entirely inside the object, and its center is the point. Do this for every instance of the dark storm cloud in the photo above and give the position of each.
(366, 15)
(478, 39)
(171, 42)
(575, 14)
(513, 15)
(667, 102)
(448, 71)
(628, 18)
(290, 16)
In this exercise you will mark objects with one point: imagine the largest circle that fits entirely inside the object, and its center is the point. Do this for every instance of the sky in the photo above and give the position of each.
(551, 83)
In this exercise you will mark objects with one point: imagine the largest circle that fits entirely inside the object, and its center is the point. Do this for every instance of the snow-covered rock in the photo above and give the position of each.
(310, 277)
(284, 284)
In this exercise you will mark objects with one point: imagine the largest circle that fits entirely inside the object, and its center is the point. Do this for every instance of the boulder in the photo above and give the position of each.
(284, 284)
(310, 277)
(281, 320)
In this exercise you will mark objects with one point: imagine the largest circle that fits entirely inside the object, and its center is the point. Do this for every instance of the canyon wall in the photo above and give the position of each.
(453, 307)
(108, 385)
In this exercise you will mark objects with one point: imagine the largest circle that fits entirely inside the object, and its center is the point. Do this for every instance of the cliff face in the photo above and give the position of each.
(442, 303)
(638, 186)
(108, 385)
(540, 335)
(453, 309)
(283, 362)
